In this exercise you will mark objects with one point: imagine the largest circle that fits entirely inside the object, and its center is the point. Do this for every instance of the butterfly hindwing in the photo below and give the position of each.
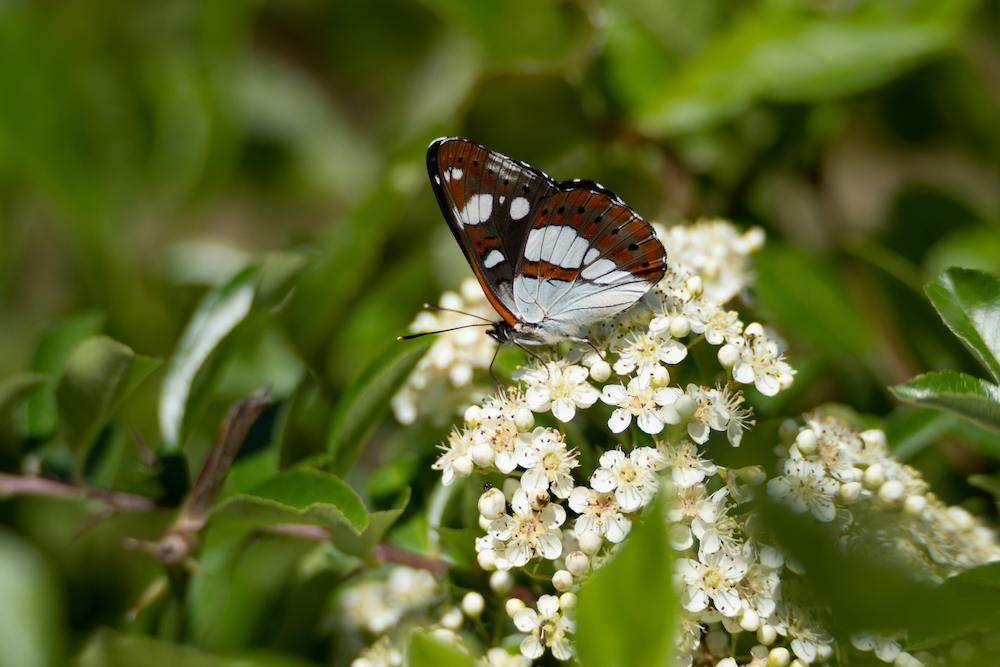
(587, 256)
(487, 199)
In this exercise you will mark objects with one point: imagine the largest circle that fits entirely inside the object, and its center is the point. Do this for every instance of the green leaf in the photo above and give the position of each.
(219, 312)
(807, 298)
(969, 303)
(111, 649)
(425, 651)
(99, 375)
(959, 393)
(627, 609)
(910, 431)
(366, 401)
(49, 358)
(297, 496)
(785, 53)
(379, 523)
(12, 391)
(31, 618)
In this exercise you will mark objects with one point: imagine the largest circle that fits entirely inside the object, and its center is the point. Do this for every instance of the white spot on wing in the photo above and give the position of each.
(533, 246)
(456, 173)
(598, 269)
(492, 259)
(519, 208)
(592, 255)
(478, 209)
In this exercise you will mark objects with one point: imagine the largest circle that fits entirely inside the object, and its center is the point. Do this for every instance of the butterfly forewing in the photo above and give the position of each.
(487, 199)
(553, 258)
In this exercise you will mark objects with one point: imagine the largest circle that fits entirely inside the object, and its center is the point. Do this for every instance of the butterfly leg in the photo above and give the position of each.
(536, 356)
(493, 375)
(588, 342)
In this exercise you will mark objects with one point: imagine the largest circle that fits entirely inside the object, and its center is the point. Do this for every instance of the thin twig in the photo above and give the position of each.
(119, 501)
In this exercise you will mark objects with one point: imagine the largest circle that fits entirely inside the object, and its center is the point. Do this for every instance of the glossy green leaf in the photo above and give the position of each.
(219, 312)
(379, 523)
(297, 496)
(31, 624)
(969, 303)
(807, 298)
(98, 376)
(959, 393)
(111, 649)
(50, 355)
(425, 651)
(366, 401)
(631, 597)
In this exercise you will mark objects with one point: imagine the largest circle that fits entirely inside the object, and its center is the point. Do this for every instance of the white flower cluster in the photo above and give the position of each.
(378, 604)
(563, 511)
(452, 359)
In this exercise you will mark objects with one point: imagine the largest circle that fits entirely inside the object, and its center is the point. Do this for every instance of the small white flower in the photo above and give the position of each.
(548, 628)
(761, 363)
(561, 389)
(525, 533)
(687, 468)
(632, 478)
(498, 657)
(710, 410)
(644, 351)
(713, 580)
(717, 324)
(651, 406)
(498, 431)
(599, 513)
(456, 461)
(806, 488)
(548, 464)
(886, 648)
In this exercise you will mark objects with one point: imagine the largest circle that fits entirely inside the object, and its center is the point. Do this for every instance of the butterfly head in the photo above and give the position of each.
(501, 332)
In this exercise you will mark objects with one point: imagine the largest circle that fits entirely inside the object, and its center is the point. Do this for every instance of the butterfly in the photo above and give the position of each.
(552, 257)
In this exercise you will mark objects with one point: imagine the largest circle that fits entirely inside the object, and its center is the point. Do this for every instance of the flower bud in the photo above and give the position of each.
(680, 327)
(788, 430)
(484, 523)
(874, 438)
(562, 580)
(685, 406)
(727, 662)
(443, 635)
(452, 619)
(874, 476)
(753, 239)
(778, 657)
(785, 380)
(850, 491)
(754, 329)
(717, 642)
(961, 517)
(482, 455)
(473, 604)
(766, 634)
(510, 487)
(462, 466)
(524, 419)
(472, 416)
(806, 441)
(728, 355)
(914, 504)
(600, 371)
(659, 376)
(590, 542)
(567, 601)
(892, 491)
(577, 563)
(487, 559)
(750, 621)
(694, 285)
(513, 605)
(753, 475)
(501, 582)
(492, 503)
(823, 652)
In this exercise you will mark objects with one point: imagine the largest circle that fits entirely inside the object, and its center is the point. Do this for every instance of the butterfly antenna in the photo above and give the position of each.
(431, 333)
(430, 306)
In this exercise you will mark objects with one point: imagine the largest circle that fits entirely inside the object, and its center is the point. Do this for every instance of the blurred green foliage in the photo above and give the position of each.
(199, 199)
